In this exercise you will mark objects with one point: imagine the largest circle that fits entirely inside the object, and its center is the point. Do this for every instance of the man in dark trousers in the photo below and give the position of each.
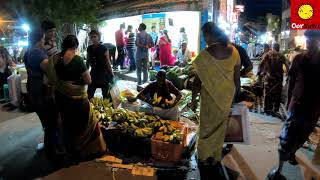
(101, 71)
(112, 52)
(304, 106)
(272, 72)
(120, 42)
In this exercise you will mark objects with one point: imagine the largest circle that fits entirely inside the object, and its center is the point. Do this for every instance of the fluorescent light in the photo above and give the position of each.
(25, 27)
(23, 43)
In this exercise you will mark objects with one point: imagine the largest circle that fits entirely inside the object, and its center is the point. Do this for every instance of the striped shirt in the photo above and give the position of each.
(51, 48)
(131, 41)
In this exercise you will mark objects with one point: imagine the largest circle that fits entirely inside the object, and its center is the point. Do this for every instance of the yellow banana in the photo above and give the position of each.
(161, 128)
(155, 97)
(165, 129)
(134, 126)
(140, 133)
(166, 138)
(171, 138)
(159, 99)
(147, 131)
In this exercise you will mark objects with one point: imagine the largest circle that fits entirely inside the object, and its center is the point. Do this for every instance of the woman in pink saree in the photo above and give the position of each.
(165, 54)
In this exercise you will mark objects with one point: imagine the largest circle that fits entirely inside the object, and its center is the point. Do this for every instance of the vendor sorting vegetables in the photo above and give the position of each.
(158, 93)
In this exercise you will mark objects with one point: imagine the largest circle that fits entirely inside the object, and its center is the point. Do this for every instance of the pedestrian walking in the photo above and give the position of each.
(304, 98)
(130, 46)
(120, 42)
(112, 52)
(271, 70)
(215, 67)
(165, 53)
(101, 71)
(144, 43)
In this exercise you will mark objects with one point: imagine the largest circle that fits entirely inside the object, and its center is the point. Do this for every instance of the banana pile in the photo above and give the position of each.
(139, 128)
(167, 133)
(102, 109)
(161, 102)
(136, 124)
(100, 104)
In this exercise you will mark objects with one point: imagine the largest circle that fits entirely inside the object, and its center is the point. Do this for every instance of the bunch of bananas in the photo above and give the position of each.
(167, 132)
(175, 137)
(167, 128)
(101, 116)
(101, 104)
(161, 102)
(143, 132)
(160, 123)
(135, 130)
(120, 115)
(96, 115)
(156, 99)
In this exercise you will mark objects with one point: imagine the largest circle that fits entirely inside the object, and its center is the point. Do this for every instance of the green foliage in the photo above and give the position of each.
(59, 11)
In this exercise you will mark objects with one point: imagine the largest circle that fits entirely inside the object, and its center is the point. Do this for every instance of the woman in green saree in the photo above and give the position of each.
(68, 74)
(217, 68)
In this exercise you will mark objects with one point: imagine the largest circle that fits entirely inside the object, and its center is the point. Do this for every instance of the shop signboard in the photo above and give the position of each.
(132, 8)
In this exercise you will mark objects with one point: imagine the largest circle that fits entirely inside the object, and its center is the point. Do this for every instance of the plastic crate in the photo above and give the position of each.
(165, 151)
(169, 152)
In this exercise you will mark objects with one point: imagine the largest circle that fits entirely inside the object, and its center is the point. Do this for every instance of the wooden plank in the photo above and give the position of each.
(241, 164)
(310, 170)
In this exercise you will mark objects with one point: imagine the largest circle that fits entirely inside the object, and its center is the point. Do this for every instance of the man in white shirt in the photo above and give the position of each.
(184, 55)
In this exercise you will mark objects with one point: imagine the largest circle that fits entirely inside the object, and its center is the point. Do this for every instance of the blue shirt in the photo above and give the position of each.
(154, 36)
(33, 59)
(144, 39)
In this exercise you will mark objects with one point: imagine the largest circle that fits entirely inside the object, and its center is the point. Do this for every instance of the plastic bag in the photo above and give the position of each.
(238, 125)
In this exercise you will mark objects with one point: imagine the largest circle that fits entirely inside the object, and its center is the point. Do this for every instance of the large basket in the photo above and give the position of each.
(117, 142)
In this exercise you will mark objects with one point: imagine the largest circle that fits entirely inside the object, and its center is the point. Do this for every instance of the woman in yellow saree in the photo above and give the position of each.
(69, 75)
(216, 68)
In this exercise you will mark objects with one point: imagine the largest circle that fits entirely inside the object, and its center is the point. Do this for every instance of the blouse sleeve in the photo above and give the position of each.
(81, 65)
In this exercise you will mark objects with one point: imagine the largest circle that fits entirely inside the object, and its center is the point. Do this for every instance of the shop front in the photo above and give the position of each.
(169, 14)
(171, 21)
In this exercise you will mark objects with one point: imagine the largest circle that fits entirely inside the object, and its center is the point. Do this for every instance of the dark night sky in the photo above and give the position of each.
(254, 8)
